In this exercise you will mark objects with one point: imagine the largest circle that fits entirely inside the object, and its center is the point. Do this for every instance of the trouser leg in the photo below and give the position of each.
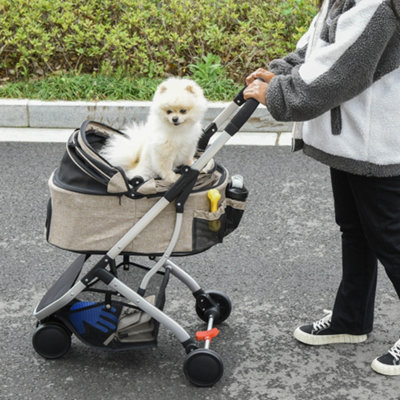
(378, 202)
(353, 311)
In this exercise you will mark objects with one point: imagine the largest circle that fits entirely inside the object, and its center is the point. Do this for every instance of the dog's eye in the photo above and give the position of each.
(169, 112)
(183, 111)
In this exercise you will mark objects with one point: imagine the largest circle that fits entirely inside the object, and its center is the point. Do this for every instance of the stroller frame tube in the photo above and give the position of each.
(211, 151)
(225, 114)
(209, 327)
(165, 256)
(183, 276)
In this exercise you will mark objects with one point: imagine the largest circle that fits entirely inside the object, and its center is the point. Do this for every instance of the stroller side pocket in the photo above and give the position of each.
(208, 228)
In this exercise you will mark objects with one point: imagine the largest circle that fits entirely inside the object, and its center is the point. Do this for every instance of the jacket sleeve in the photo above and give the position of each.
(338, 71)
(284, 66)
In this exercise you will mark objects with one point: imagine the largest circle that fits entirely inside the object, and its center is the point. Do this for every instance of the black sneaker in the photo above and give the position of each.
(389, 363)
(320, 333)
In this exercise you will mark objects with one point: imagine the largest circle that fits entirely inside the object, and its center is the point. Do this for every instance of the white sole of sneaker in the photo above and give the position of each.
(318, 340)
(385, 369)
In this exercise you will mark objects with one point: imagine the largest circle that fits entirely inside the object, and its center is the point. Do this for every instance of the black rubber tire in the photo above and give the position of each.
(51, 340)
(225, 307)
(203, 367)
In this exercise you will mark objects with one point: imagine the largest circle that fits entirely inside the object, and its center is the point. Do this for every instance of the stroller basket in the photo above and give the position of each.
(93, 204)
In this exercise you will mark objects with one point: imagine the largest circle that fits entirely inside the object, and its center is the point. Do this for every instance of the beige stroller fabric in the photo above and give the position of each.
(94, 223)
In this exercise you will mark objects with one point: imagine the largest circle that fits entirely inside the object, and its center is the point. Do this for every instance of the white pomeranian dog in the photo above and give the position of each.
(167, 139)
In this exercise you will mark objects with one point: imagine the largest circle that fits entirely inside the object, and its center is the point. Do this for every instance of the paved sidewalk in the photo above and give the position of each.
(280, 268)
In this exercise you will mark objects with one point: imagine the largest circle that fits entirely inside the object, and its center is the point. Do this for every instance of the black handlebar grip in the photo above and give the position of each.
(244, 113)
(242, 116)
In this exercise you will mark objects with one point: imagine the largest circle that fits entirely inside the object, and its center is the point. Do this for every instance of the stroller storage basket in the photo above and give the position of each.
(93, 204)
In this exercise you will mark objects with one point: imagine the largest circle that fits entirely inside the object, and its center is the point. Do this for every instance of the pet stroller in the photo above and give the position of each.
(95, 211)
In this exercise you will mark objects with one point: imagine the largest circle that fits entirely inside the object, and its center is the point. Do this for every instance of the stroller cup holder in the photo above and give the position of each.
(96, 212)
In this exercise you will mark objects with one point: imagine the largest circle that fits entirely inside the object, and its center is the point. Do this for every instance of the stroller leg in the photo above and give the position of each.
(183, 276)
(209, 304)
(161, 262)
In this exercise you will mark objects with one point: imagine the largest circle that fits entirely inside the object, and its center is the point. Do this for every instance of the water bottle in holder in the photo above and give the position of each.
(236, 197)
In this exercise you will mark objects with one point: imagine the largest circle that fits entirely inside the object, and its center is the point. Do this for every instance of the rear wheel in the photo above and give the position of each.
(51, 340)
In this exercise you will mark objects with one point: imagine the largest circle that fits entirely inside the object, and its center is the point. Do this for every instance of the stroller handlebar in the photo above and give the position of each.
(242, 116)
(246, 111)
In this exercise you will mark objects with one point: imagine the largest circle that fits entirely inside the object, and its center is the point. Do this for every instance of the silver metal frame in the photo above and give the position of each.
(160, 264)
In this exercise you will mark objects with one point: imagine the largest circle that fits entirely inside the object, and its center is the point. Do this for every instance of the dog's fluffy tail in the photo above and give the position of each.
(124, 151)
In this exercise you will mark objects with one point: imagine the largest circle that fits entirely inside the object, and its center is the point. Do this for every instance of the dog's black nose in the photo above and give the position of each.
(175, 119)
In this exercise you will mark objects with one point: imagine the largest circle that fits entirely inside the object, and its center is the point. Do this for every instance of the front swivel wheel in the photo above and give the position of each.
(203, 367)
(215, 303)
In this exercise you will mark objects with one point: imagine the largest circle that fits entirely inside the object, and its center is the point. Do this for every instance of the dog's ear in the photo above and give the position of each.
(162, 89)
(190, 89)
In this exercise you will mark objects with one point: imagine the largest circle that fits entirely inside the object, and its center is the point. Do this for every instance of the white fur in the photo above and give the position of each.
(167, 139)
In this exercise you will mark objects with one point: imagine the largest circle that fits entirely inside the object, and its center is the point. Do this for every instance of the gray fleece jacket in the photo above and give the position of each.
(343, 82)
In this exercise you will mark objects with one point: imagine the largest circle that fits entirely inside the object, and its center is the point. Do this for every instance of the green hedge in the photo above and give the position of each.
(145, 38)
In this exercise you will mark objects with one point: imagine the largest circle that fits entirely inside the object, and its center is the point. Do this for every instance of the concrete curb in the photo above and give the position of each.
(26, 113)
(61, 135)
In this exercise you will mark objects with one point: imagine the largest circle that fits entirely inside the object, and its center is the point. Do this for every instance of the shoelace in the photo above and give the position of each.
(324, 322)
(395, 350)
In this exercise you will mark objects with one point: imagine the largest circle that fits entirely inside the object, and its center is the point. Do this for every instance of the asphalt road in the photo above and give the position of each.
(281, 268)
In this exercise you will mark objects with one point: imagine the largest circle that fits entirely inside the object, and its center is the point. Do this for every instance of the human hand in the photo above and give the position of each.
(256, 88)
(265, 75)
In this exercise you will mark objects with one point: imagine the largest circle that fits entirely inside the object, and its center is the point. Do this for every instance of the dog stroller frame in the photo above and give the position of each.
(125, 318)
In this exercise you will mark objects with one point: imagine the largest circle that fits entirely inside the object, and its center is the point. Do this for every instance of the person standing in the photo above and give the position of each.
(342, 86)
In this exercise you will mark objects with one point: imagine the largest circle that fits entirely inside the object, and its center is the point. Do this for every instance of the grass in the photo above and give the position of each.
(98, 87)
(206, 71)
(66, 86)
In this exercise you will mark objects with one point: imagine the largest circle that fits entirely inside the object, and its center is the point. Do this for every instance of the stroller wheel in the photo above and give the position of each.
(224, 307)
(203, 367)
(51, 340)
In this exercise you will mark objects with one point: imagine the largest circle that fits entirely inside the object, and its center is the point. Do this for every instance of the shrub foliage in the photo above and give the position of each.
(146, 38)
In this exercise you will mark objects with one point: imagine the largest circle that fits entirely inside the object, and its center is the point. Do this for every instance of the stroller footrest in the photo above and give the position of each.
(64, 283)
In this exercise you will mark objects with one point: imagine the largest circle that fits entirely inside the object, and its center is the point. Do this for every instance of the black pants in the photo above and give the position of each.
(367, 209)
